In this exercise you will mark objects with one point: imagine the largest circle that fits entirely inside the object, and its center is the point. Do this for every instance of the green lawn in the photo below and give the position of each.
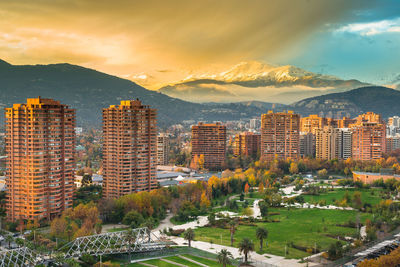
(177, 259)
(119, 229)
(371, 196)
(205, 261)
(182, 261)
(160, 263)
(303, 227)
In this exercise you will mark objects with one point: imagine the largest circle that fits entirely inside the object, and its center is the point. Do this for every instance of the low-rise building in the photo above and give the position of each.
(370, 177)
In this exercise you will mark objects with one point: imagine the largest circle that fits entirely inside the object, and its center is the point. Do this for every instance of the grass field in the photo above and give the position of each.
(371, 196)
(117, 229)
(178, 260)
(304, 227)
(205, 261)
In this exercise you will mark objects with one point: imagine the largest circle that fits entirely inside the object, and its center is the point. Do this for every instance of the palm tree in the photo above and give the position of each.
(9, 239)
(245, 247)
(224, 257)
(130, 236)
(189, 235)
(261, 234)
(232, 229)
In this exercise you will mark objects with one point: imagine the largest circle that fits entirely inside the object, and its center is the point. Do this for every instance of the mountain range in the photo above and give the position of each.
(255, 80)
(378, 99)
(88, 91)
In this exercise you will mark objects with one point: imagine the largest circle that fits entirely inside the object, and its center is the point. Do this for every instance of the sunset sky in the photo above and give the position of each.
(161, 41)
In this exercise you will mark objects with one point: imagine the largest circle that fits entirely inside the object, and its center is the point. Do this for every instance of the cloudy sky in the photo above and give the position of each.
(163, 40)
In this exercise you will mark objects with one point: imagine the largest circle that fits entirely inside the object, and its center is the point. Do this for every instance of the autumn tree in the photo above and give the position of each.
(246, 188)
(201, 162)
(261, 188)
(294, 168)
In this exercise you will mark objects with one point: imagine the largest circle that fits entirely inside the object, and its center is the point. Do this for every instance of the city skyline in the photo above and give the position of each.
(200, 133)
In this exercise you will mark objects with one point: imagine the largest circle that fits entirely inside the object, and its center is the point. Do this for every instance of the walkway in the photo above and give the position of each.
(265, 258)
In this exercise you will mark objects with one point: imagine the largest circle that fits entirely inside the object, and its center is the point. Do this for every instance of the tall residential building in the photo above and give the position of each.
(369, 117)
(368, 140)
(392, 143)
(162, 149)
(307, 144)
(129, 148)
(247, 144)
(333, 143)
(327, 143)
(311, 123)
(345, 143)
(280, 135)
(255, 124)
(209, 141)
(394, 121)
(345, 122)
(40, 145)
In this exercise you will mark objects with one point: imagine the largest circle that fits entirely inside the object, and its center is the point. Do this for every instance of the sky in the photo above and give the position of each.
(159, 41)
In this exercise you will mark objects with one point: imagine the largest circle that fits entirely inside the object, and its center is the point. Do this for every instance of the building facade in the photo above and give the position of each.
(311, 123)
(333, 143)
(394, 121)
(209, 141)
(247, 144)
(327, 143)
(254, 124)
(370, 177)
(392, 143)
(162, 149)
(40, 145)
(280, 135)
(307, 145)
(345, 143)
(129, 148)
(368, 140)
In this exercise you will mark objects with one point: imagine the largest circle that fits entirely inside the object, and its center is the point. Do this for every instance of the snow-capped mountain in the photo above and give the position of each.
(255, 80)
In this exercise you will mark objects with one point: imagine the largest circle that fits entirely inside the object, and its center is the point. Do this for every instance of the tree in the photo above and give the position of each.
(130, 236)
(346, 171)
(357, 200)
(211, 218)
(247, 212)
(261, 188)
(246, 188)
(224, 257)
(189, 236)
(232, 229)
(245, 247)
(86, 179)
(322, 173)
(133, 218)
(294, 168)
(263, 208)
(98, 228)
(9, 239)
(261, 234)
(204, 201)
(201, 162)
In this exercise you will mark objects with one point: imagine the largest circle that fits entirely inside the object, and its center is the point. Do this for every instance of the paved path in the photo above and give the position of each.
(289, 191)
(195, 262)
(311, 206)
(256, 209)
(363, 231)
(215, 248)
(107, 227)
(166, 223)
